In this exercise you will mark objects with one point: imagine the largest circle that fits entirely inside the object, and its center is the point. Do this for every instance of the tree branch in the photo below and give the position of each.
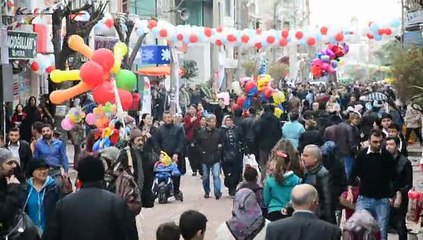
(135, 50)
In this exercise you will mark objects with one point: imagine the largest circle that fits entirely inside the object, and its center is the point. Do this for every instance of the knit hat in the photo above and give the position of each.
(5, 155)
(36, 164)
(110, 153)
(90, 169)
(135, 133)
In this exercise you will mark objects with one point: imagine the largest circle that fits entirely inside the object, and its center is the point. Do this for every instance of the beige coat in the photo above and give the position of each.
(412, 118)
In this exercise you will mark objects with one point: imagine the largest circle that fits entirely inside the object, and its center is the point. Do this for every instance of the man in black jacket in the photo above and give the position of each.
(303, 224)
(171, 139)
(405, 182)
(10, 189)
(247, 126)
(92, 212)
(19, 148)
(318, 176)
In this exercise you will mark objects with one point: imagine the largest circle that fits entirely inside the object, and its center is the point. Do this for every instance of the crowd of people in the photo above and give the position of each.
(334, 147)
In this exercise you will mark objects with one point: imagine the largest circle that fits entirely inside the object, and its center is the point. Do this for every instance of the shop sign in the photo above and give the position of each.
(414, 17)
(22, 45)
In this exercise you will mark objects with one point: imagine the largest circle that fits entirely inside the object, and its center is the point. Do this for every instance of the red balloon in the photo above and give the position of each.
(35, 66)
(104, 93)
(339, 37)
(324, 30)
(50, 68)
(258, 31)
(152, 24)
(388, 31)
(219, 29)
(283, 42)
(285, 33)
(240, 101)
(208, 31)
(311, 41)
(258, 45)
(370, 36)
(299, 35)
(125, 99)
(163, 33)
(268, 91)
(193, 38)
(109, 23)
(270, 39)
(219, 42)
(249, 85)
(180, 37)
(91, 73)
(245, 38)
(231, 38)
(381, 31)
(105, 58)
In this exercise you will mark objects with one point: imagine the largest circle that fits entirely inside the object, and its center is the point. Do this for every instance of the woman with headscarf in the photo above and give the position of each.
(247, 222)
(32, 116)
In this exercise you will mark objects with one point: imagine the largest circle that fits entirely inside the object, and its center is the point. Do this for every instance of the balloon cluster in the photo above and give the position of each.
(97, 75)
(101, 115)
(43, 63)
(327, 60)
(261, 90)
(307, 36)
(75, 115)
(377, 31)
(109, 137)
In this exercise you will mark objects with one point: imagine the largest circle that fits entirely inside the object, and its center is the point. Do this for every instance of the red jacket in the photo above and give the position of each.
(136, 102)
(191, 126)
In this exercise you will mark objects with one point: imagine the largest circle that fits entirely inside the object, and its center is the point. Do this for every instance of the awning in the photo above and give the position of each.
(157, 71)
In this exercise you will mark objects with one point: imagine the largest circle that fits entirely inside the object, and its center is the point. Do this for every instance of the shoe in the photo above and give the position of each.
(194, 174)
(206, 195)
(179, 196)
(218, 196)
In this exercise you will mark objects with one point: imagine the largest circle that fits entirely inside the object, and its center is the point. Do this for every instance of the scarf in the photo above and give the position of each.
(247, 220)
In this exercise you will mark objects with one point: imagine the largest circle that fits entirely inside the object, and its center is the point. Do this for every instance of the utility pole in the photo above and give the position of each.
(4, 62)
(174, 64)
(402, 23)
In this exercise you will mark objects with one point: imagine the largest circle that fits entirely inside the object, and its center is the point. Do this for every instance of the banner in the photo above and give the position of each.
(22, 45)
(146, 97)
(154, 54)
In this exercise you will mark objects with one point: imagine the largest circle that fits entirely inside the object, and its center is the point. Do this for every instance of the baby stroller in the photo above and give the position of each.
(164, 170)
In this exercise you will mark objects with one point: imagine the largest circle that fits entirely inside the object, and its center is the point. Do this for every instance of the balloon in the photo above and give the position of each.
(66, 124)
(324, 30)
(258, 31)
(374, 27)
(163, 33)
(249, 85)
(61, 96)
(395, 23)
(77, 44)
(126, 79)
(370, 36)
(245, 38)
(58, 76)
(231, 38)
(193, 38)
(253, 92)
(35, 66)
(278, 97)
(180, 37)
(105, 58)
(268, 91)
(90, 119)
(92, 73)
(283, 42)
(219, 29)
(311, 41)
(258, 45)
(125, 99)
(109, 22)
(339, 37)
(50, 69)
(263, 81)
(378, 37)
(107, 107)
(388, 31)
(381, 31)
(240, 101)
(208, 32)
(120, 50)
(270, 39)
(285, 33)
(152, 24)
(278, 112)
(219, 42)
(104, 93)
(299, 35)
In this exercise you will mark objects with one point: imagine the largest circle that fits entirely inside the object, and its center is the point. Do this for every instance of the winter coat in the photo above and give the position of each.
(10, 201)
(319, 177)
(40, 205)
(268, 131)
(310, 136)
(277, 196)
(207, 143)
(344, 139)
(412, 118)
(191, 126)
(91, 213)
(171, 139)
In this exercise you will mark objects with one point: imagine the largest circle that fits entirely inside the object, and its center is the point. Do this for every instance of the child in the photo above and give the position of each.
(251, 177)
(165, 167)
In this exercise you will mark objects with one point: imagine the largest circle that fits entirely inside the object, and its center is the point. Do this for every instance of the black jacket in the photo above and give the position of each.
(310, 136)
(319, 177)
(207, 142)
(302, 226)
(25, 154)
(91, 213)
(171, 139)
(10, 199)
(405, 177)
(268, 131)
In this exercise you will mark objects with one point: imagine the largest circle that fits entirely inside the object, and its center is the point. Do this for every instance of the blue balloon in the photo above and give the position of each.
(247, 103)
(332, 40)
(378, 37)
(302, 42)
(374, 27)
(264, 44)
(318, 37)
(395, 23)
(252, 92)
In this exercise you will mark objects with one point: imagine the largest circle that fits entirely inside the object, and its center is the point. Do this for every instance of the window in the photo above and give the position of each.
(228, 8)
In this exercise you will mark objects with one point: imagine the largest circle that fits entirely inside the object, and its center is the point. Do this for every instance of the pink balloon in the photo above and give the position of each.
(66, 124)
(325, 66)
(90, 119)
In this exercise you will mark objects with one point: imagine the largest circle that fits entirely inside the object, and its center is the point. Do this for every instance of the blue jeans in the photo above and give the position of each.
(215, 170)
(380, 210)
(348, 162)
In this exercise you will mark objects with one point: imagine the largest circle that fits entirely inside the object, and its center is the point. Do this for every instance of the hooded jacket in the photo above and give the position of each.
(277, 196)
(268, 131)
(40, 205)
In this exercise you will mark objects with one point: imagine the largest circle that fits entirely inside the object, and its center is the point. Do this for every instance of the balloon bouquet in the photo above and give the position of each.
(327, 60)
(102, 74)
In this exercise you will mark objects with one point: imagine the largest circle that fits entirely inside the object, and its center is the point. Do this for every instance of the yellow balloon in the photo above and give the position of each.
(59, 76)
(120, 50)
(77, 44)
(278, 112)
(263, 81)
(278, 97)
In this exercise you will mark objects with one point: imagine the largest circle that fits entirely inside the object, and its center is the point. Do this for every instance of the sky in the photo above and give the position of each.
(340, 12)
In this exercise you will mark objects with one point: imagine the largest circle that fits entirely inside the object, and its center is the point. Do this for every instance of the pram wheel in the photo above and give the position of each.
(162, 198)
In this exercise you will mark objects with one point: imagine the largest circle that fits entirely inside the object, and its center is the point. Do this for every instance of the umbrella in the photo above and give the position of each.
(377, 96)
